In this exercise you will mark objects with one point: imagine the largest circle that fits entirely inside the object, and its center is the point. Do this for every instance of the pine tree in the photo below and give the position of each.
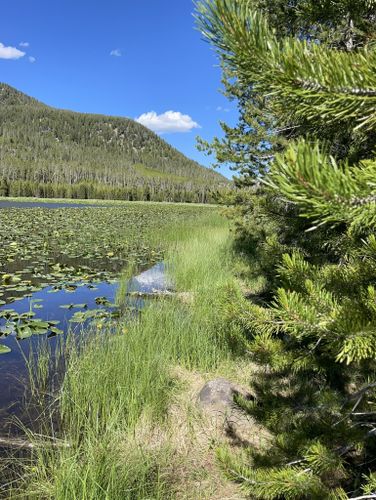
(315, 339)
(251, 144)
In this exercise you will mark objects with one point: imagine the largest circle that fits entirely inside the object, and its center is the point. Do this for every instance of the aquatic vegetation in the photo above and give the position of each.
(131, 432)
(25, 325)
(69, 248)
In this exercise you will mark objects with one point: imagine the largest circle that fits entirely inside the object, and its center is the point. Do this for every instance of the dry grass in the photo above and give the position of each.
(192, 435)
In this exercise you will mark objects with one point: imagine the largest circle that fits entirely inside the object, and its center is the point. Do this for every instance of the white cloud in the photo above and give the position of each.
(170, 121)
(32, 59)
(116, 53)
(24, 44)
(225, 110)
(10, 52)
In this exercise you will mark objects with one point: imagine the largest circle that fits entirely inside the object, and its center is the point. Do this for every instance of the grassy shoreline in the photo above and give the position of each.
(116, 400)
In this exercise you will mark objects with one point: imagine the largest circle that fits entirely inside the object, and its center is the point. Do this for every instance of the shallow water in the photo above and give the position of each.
(13, 370)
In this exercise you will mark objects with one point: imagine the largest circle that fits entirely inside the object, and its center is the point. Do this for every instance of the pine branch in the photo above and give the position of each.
(304, 80)
(359, 394)
(324, 190)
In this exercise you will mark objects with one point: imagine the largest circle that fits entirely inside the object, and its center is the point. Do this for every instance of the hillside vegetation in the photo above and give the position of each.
(48, 152)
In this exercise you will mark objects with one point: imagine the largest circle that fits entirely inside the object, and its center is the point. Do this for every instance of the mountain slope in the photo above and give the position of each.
(50, 152)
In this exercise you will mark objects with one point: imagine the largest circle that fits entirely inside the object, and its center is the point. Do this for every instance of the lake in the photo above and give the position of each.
(60, 267)
(14, 376)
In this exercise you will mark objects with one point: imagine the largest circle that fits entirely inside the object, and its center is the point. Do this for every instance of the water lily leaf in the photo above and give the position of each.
(6, 313)
(24, 332)
(102, 301)
(55, 330)
(4, 349)
(39, 327)
(39, 331)
(27, 315)
(78, 317)
(38, 323)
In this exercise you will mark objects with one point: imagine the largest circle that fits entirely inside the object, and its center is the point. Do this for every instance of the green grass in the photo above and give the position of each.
(154, 173)
(157, 174)
(120, 382)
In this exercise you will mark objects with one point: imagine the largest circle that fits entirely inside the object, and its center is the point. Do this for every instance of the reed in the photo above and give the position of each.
(119, 380)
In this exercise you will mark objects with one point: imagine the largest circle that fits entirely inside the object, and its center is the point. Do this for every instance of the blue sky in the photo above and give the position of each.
(118, 57)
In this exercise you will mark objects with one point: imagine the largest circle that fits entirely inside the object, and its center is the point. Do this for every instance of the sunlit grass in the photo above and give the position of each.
(122, 379)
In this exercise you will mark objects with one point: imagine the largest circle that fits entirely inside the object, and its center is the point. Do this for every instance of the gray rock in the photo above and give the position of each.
(217, 394)
(216, 400)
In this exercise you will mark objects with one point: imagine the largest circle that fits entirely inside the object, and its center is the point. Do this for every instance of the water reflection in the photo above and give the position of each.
(13, 371)
(154, 279)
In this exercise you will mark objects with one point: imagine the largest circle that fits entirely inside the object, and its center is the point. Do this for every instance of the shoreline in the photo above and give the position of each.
(147, 384)
(102, 201)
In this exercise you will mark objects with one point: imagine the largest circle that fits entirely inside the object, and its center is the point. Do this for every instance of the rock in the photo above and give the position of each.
(217, 395)
(216, 400)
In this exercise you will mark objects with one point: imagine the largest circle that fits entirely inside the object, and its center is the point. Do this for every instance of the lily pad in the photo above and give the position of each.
(4, 349)
(56, 331)
(24, 332)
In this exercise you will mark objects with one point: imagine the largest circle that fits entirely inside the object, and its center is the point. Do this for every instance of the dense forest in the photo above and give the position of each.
(46, 152)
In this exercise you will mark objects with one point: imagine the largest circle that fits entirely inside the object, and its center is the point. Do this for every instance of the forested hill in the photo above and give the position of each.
(47, 152)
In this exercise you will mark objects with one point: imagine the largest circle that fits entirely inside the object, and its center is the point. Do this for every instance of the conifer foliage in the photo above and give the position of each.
(314, 336)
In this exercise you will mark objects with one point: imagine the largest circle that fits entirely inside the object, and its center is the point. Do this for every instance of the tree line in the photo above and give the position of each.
(50, 152)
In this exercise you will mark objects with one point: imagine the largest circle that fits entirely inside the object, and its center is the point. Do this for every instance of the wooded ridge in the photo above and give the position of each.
(48, 152)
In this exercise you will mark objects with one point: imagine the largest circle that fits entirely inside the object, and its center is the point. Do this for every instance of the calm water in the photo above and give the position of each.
(13, 371)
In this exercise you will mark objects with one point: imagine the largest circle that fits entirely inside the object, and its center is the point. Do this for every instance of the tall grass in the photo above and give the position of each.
(118, 381)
